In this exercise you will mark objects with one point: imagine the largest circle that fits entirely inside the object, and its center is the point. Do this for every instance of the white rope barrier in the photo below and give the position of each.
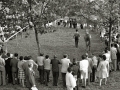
(15, 34)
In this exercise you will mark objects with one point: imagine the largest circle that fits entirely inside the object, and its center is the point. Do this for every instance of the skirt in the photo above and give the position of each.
(102, 74)
(84, 74)
(21, 74)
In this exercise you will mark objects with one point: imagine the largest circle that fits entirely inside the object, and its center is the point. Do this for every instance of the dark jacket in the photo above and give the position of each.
(7, 65)
(13, 64)
(55, 65)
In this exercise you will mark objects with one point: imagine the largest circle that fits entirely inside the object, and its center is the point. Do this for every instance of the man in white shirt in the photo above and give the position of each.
(65, 64)
(40, 60)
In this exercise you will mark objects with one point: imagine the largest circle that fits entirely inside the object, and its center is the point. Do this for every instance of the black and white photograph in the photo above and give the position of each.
(59, 44)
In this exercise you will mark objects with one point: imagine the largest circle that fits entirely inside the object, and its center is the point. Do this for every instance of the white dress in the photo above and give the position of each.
(103, 69)
(84, 64)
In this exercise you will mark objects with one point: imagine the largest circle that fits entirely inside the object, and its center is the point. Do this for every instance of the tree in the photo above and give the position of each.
(105, 13)
(32, 12)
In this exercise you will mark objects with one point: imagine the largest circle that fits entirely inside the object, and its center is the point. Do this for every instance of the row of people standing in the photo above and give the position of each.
(22, 68)
(16, 70)
(72, 23)
(44, 68)
(85, 69)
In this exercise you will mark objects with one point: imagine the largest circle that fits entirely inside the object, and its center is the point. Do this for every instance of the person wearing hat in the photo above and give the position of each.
(76, 37)
(55, 70)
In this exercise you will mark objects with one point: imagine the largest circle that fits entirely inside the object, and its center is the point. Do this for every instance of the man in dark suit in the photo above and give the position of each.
(55, 70)
(13, 64)
(8, 68)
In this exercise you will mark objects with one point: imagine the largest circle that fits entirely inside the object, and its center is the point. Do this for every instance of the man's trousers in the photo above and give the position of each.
(55, 78)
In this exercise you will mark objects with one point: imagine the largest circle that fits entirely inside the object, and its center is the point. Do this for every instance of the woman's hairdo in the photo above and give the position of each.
(104, 57)
(69, 69)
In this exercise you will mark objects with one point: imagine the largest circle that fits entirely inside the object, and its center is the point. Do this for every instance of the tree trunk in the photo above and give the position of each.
(36, 33)
(110, 29)
(37, 39)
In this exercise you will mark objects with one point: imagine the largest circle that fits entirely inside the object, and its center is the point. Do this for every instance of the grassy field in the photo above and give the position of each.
(59, 43)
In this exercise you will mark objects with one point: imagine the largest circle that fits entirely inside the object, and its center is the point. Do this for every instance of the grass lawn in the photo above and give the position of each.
(59, 43)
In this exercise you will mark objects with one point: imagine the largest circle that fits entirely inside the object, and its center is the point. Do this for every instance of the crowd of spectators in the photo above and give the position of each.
(16, 69)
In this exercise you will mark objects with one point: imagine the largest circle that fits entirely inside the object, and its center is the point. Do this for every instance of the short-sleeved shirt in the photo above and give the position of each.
(87, 37)
(84, 65)
(95, 60)
(65, 64)
(40, 60)
(47, 64)
(76, 35)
